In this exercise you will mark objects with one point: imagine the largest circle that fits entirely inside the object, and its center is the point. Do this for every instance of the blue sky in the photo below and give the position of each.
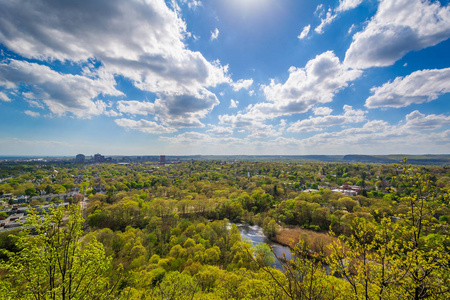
(187, 77)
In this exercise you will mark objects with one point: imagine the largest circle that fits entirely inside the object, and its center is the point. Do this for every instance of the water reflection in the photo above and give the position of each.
(256, 236)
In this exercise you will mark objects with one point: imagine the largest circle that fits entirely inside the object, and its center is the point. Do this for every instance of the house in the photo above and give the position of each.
(49, 197)
(348, 190)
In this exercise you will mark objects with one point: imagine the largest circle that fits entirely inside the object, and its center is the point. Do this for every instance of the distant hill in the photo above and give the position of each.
(429, 159)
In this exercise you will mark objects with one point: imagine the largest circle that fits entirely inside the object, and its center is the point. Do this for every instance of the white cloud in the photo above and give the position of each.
(201, 143)
(61, 93)
(32, 113)
(142, 41)
(241, 84)
(112, 113)
(144, 126)
(350, 30)
(233, 103)
(331, 14)
(322, 111)
(318, 123)
(348, 4)
(418, 121)
(4, 97)
(192, 3)
(263, 131)
(319, 10)
(27, 96)
(182, 110)
(418, 87)
(317, 82)
(399, 26)
(238, 121)
(257, 129)
(304, 32)
(373, 137)
(329, 17)
(379, 137)
(220, 131)
(134, 107)
(214, 34)
(251, 93)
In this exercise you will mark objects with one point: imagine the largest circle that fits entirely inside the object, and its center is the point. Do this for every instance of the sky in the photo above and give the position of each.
(224, 77)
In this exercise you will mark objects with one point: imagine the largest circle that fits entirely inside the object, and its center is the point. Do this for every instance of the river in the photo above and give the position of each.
(256, 236)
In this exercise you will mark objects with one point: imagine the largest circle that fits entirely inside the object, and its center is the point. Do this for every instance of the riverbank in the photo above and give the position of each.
(317, 241)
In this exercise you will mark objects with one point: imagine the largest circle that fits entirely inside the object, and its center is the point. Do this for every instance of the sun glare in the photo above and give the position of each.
(249, 4)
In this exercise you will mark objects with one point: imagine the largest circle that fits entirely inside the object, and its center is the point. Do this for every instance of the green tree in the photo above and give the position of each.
(52, 262)
(405, 259)
(264, 254)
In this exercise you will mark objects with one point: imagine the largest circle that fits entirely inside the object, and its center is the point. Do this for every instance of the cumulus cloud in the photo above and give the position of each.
(238, 121)
(316, 83)
(220, 131)
(417, 120)
(399, 26)
(348, 4)
(112, 113)
(375, 136)
(418, 87)
(144, 126)
(32, 113)
(319, 123)
(214, 34)
(384, 138)
(322, 111)
(233, 103)
(142, 41)
(4, 97)
(264, 131)
(242, 84)
(61, 93)
(304, 32)
(256, 128)
(182, 110)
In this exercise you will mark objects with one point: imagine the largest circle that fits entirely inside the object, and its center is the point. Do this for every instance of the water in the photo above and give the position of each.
(256, 236)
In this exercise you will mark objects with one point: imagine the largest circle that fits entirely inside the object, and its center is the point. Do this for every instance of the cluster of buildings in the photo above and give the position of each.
(50, 197)
(98, 158)
(17, 215)
(348, 190)
(345, 189)
(13, 216)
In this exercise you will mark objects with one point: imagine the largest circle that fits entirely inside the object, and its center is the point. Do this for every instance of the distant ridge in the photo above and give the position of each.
(429, 159)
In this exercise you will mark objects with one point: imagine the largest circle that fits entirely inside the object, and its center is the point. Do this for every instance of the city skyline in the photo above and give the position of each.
(233, 77)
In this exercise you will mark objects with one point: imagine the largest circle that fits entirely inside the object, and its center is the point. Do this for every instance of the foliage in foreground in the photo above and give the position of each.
(172, 251)
(52, 262)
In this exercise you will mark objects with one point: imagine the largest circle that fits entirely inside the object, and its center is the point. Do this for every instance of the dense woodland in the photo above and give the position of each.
(155, 231)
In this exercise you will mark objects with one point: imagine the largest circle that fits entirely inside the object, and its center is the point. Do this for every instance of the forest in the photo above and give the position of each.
(169, 231)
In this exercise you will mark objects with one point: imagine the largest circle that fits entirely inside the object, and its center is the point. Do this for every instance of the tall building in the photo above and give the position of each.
(98, 158)
(80, 158)
(162, 159)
